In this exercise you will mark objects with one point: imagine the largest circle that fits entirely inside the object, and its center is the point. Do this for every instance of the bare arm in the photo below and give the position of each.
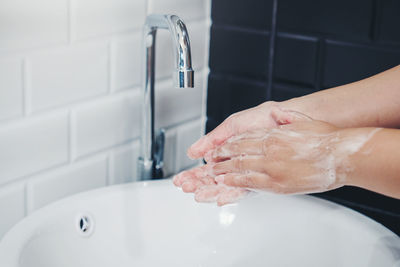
(373, 102)
(377, 165)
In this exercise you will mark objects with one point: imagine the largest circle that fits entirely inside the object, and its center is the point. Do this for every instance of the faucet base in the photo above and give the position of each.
(148, 170)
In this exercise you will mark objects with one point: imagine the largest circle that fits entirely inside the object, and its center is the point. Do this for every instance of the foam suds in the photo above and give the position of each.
(325, 152)
(324, 158)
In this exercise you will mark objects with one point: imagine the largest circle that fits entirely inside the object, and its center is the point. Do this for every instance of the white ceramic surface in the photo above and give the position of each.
(154, 224)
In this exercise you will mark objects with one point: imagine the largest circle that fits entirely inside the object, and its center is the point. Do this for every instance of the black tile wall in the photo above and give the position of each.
(248, 14)
(389, 29)
(349, 62)
(340, 18)
(237, 51)
(317, 45)
(296, 59)
(284, 91)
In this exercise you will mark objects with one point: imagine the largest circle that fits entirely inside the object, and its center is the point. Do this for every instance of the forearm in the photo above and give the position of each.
(372, 102)
(376, 166)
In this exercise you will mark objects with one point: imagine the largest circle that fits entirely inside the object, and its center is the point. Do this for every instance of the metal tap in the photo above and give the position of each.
(150, 161)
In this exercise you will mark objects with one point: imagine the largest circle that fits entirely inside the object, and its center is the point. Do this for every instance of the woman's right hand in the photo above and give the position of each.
(265, 116)
(198, 181)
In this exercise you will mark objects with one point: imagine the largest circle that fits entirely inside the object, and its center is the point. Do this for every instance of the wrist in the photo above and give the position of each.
(352, 149)
(295, 104)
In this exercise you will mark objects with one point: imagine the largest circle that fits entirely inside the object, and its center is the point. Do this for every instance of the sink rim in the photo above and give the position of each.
(25, 226)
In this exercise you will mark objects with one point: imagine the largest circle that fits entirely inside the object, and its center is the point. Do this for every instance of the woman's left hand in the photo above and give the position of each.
(303, 157)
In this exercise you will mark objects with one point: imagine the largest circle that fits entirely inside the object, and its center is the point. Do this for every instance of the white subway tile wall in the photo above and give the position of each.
(30, 24)
(11, 88)
(75, 178)
(106, 123)
(187, 134)
(12, 206)
(68, 74)
(70, 99)
(126, 62)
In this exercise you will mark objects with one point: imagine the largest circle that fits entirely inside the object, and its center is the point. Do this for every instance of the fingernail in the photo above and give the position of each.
(220, 179)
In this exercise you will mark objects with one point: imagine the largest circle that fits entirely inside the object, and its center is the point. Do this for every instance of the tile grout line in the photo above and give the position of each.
(111, 67)
(26, 88)
(375, 20)
(71, 136)
(272, 49)
(69, 22)
(26, 200)
(319, 72)
(110, 169)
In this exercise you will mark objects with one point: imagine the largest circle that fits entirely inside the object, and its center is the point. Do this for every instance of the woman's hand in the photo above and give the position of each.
(303, 157)
(201, 180)
(265, 116)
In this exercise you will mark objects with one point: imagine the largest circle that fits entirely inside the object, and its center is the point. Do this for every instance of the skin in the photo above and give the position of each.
(371, 167)
(348, 110)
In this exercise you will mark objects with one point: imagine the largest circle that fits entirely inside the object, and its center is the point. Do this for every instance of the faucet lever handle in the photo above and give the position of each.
(159, 152)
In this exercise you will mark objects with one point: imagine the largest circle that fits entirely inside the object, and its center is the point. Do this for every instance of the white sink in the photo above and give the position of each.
(154, 224)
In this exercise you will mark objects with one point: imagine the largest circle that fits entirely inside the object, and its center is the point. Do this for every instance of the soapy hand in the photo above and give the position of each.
(201, 180)
(303, 157)
(265, 116)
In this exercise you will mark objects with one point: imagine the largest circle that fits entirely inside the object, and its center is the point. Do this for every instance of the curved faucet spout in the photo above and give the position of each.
(183, 64)
(149, 165)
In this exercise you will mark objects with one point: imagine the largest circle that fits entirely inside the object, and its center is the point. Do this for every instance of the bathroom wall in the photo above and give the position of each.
(70, 100)
(307, 46)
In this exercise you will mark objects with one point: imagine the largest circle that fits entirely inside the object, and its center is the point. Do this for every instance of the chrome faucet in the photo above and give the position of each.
(150, 161)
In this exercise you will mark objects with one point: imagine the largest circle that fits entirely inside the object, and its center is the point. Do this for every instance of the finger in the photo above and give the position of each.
(180, 178)
(192, 185)
(235, 149)
(231, 196)
(240, 165)
(216, 137)
(202, 172)
(251, 180)
(209, 193)
(253, 134)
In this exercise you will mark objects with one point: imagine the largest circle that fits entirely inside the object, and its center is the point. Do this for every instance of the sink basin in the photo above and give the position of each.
(154, 224)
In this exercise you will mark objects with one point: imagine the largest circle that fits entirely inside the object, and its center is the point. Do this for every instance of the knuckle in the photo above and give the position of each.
(272, 153)
(238, 164)
(271, 141)
(233, 147)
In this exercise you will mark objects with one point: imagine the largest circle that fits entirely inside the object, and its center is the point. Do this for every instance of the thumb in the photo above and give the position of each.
(213, 139)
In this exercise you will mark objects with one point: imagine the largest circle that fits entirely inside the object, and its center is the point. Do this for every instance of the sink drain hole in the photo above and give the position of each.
(85, 225)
